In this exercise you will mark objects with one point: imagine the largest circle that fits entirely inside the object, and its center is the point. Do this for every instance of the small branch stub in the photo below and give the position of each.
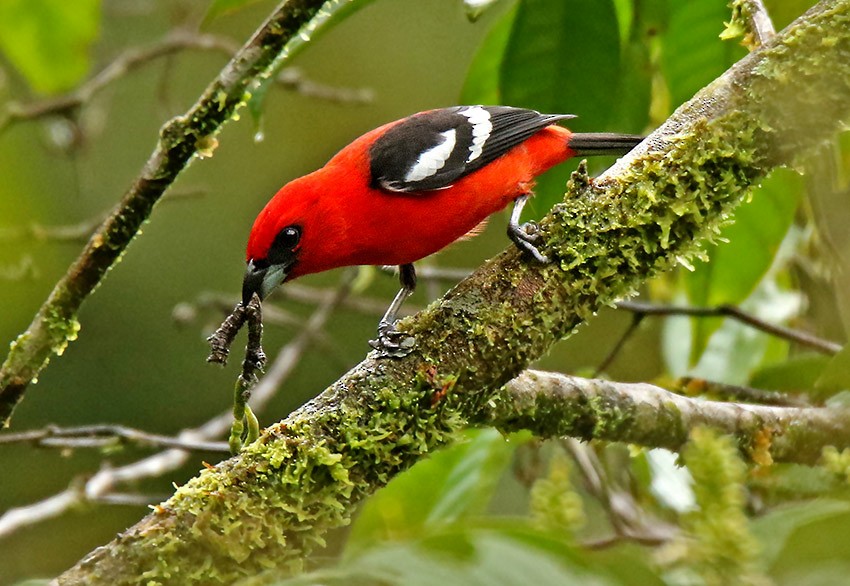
(245, 428)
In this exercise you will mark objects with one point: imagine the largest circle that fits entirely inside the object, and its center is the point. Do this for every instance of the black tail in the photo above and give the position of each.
(603, 143)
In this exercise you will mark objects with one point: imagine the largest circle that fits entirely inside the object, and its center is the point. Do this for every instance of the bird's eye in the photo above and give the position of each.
(287, 238)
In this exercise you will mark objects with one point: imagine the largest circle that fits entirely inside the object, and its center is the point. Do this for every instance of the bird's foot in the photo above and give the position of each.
(526, 236)
(392, 343)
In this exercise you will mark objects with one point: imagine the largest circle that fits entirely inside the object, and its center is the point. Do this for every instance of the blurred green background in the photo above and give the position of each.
(619, 65)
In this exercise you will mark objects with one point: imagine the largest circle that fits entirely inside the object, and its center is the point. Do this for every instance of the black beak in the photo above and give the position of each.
(252, 282)
(263, 279)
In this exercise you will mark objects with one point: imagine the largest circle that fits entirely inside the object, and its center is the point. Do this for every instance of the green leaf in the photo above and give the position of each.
(735, 267)
(813, 546)
(775, 529)
(693, 54)
(454, 483)
(563, 56)
(836, 375)
(735, 349)
(798, 373)
(639, 27)
(505, 554)
(48, 40)
(482, 81)
(220, 7)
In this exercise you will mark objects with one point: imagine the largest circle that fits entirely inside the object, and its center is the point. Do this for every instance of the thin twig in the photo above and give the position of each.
(71, 498)
(297, 292)
(292, 78)
(100, 435)
(245, 427)
(699, 387)
(81, 231)
(628, 519)
(38, 512)
(637, 318)
(22, 269)
(122, 65)
(804, 339)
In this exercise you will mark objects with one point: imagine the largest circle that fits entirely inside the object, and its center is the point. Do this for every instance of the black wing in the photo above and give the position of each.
(434, 149)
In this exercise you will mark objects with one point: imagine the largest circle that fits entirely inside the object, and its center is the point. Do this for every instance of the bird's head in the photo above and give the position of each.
(282, 231)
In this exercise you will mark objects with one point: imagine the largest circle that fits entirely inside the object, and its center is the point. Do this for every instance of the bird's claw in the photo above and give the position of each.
(526, 236)
(392, 343)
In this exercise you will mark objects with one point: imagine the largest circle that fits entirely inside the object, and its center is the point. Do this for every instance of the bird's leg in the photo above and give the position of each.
(526, 235)
(390, 342)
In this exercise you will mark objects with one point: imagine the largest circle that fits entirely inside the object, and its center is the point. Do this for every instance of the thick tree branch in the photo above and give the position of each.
(556, 405)
(55, 324)
(270, 505)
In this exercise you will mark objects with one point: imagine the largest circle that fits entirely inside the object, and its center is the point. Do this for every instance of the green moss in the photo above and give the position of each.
(718, 542)
(555, 505)
(739, 24)
(837, 463)
(272, 504)
(63, 330)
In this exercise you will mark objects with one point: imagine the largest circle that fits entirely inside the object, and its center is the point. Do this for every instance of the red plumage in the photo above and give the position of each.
(408, 189)
(347, 222)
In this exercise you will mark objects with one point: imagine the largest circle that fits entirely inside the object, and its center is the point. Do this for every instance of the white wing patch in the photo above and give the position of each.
(434, 159)
(481, 129)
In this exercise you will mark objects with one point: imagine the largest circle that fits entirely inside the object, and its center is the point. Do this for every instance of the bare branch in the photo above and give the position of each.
(16, 272)
(102, 435)
(79, 232)
(127, 62)
(49, 508)
(802, 338)
(628, 518)
(293, 79)
(72, 497)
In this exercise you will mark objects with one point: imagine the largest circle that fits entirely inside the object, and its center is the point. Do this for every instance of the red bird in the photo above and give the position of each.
(408, 189)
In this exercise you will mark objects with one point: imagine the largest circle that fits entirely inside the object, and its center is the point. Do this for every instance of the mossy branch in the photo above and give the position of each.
(557, 405)
(55, 324)
(271, 505)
